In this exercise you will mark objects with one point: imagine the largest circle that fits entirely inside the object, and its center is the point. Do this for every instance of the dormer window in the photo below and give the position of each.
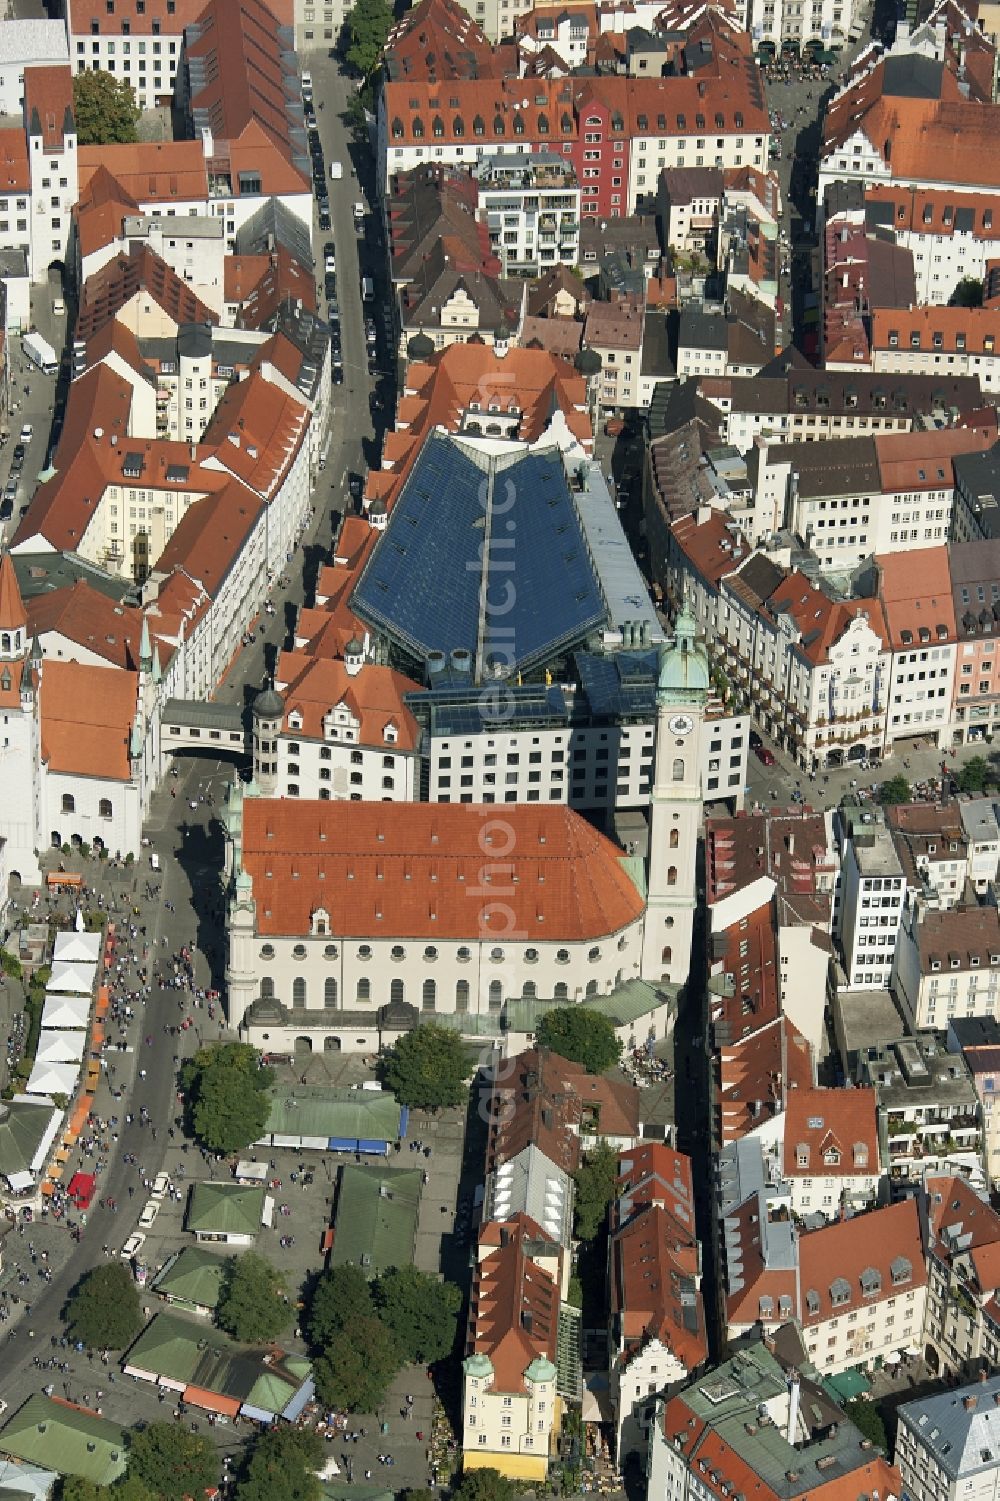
(321, 921)
(832, 1156)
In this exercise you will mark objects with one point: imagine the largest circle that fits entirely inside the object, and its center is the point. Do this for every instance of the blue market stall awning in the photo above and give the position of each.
(484, 553)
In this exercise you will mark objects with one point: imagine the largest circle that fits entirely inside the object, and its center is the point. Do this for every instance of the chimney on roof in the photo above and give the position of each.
(968, 1403)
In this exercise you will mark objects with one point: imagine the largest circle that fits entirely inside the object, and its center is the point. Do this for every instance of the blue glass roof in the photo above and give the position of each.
(470, 711)
(619, 686)
(483, 552)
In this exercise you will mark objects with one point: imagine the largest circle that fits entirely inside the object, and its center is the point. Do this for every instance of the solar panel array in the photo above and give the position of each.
(485, 553)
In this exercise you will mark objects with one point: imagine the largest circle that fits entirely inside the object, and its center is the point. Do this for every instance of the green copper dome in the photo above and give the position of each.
(540, 1369)
(684, 664)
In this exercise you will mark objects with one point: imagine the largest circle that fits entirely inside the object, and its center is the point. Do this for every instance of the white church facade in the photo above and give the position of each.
(350, 922)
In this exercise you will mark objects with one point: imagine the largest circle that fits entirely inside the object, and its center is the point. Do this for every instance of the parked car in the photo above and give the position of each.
(329, 261)
(149, 1214)
(133, 1246)
(764, 755)
(162, 1180)
(27, 433)
(337, 375)
(324, 219)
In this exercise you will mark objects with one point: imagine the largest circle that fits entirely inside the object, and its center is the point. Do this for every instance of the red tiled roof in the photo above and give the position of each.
(14, 174)
(850, 1247)
(915, 591)
(821, 621)
(257, 430)
(86, 720)
(149, 172)
(758, 1074)
(127, 275)
(13, 616)
(212, 534)
(313, 686)
(944, 329)
(83, 614)
(48, 103)
(410, 866)
(713, 546)
(514, 1307)
(540, 1099)
(828, 1124)
(654, 1272)
(961, 1224)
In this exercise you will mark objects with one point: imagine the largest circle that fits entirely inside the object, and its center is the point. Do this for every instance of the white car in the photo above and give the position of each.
(149, 1214)
(329, 262)
(132, 1246)
(160, 1185)
(27, 433)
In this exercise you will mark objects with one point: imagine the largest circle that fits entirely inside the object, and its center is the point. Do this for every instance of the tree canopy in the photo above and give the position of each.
(282, 1466)
(968, 293)
(427, 1068)
(172, 1462)
(226, 1096)
(582, 1035)
(595, 1188)
(128, 1488)
(420, 1312)
(253, 1302)
(974, 774)
(895, 790)
(359, 1363)
(866, 1416)
(484, 1485)
(103, 1310)
(367, 26)
(104, 108)
(339, 1295)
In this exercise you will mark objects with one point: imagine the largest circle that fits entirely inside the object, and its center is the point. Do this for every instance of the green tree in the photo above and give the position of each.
(895, 790)
(104, 108)
(226, 1096)
(974, 774)
(282, 1466)
(340, 1295)
(427, 1068)
(866, 1417)
(595, 1188)
(172, 1462)
(967, 293)
(484, 1485)
(253, 1302)
(10, 964)
(582, 1035)
(420, 1311)
(368, 25)
(358, 1366)
(103, 1310)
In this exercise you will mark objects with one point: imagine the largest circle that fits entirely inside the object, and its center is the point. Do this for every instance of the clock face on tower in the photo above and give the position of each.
(680, 724)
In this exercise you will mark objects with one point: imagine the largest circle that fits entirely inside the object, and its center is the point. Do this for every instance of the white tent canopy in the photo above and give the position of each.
(76, 948)
(66, 1011)
(53, 1078)
(74, 979)
(60, 1046)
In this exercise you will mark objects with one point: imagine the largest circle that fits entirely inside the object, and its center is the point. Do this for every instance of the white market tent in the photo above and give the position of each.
(73, 979)
(66, 1011)
(60, 1046)
(77, 948)
(53, 1078)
